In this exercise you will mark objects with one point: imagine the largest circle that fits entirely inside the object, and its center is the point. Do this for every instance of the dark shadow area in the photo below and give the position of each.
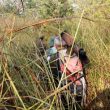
(101, 102)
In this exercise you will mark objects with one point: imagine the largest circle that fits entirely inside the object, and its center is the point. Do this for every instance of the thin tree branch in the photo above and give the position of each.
(45, 22)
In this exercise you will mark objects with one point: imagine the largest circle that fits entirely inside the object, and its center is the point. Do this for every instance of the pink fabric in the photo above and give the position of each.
(74, 65)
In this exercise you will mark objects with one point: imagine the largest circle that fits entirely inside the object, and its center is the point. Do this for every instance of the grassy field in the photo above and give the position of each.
(24, 77)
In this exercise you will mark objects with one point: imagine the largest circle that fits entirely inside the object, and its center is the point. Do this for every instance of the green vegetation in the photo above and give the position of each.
(25, 81)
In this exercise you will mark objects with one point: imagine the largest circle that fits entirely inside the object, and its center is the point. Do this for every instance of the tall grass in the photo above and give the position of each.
(26, 82)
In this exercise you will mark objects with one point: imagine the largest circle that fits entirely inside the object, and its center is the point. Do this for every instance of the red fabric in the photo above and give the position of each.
(67, 73)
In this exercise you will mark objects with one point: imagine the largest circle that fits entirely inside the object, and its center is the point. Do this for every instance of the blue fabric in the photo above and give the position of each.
(51, 42)
(51, 51)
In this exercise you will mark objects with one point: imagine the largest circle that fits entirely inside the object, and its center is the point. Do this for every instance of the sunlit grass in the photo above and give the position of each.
(26, 82)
